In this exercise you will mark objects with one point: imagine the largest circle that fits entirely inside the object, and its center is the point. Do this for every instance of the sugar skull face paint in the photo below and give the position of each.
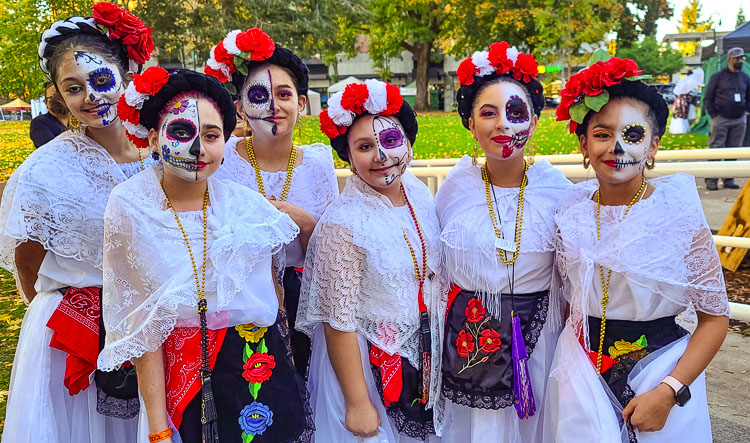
(179, 139)
(258, 102)
(619, 140)
(270, 102)
(379, 150)
(103, 82)
(502, 120)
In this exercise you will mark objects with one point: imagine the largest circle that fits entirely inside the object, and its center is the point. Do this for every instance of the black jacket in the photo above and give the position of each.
(721, 90)
(44, 128)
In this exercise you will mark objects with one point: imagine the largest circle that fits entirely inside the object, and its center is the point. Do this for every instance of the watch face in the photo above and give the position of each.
(682, 396)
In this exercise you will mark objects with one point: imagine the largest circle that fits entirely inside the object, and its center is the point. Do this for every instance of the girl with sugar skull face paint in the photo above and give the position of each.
(221, 370)
(498, 235)
(372, 283)
(51, 224)
(634, 254)
(271, 91)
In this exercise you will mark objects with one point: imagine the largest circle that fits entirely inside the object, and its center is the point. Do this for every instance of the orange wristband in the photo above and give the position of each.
(159, 436)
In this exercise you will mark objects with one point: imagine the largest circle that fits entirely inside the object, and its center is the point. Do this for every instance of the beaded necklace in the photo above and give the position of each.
(605, 282)
(493, 218)
(259, 178)
(424, 320)
(208, 409)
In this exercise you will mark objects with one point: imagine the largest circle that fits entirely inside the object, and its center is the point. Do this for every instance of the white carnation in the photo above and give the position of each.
(339, 115)
(512, 54)
(133, 97)
(377, 100)
(213, 64)
(230, 42)
(139, 131)
(481, 62)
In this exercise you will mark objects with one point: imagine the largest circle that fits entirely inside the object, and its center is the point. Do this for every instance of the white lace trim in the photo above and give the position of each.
(148, 279)
(664, 245)
(359, 274)
(57, 197)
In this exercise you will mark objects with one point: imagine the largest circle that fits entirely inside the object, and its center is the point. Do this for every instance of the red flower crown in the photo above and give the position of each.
(374, 97)
(143, 87)
(230, 54)
(500, 59)
(585, 91)
(129, 29)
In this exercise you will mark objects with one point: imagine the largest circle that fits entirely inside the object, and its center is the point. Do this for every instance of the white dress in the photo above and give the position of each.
(314, 184)
(149, 287)
(57, 197)
(473, 264)
(359, 277)
(664, 263)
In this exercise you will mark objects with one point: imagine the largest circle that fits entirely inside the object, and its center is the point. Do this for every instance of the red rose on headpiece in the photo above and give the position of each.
(354, 97)
(126, 112)
(498, 57)
(222, 56)
(151, 81)
(526, 68)
(563, 110)
(257, 43)
(106, 14)
(139, 45)
(592, 79)
(465, 72)
(215, 74)
(127, 24)
(329, 128)
(393, 98)
(617, 69)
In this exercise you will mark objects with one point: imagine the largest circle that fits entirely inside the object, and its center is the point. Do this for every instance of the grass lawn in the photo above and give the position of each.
(441, 135)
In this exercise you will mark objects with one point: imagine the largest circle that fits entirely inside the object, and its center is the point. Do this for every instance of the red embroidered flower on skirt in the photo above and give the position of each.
(464, 343)
(354, 97)
(151, 81)
(257, 43)
(474, 310)
(489, 341)
(465, 72)
(258, 367)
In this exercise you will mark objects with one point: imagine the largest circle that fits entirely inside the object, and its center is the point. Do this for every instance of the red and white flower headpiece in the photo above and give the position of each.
(500, 59)
(373, 97)
(230, 55)
(143, 87)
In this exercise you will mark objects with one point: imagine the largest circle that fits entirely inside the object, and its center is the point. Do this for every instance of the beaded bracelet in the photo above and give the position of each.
(159, 436)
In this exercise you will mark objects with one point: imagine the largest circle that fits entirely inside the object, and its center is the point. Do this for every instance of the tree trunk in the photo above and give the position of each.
(422, 56)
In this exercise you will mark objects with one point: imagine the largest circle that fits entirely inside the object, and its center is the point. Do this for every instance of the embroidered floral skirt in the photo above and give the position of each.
(477, 360)
(259, 395)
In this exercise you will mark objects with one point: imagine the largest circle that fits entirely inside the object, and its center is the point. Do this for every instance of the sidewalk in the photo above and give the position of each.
(728, 387)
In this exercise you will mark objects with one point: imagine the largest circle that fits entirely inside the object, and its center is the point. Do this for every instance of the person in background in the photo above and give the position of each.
(45, 127)
(728, 103)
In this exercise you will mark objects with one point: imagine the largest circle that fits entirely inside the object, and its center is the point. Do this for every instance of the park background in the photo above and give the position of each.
(415, 44)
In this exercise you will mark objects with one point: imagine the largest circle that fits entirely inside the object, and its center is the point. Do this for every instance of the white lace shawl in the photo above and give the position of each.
(662, 250)
(359, 273)
(57, 197)
(149, 287)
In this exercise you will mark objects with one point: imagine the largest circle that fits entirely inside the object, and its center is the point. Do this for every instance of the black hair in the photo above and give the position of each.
(74, 33)
(184, 80)
(405, 115)
(468, 93)
(636, 90)
(283, 58)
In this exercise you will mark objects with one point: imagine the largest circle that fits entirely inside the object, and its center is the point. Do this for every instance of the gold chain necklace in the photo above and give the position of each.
(259, 178)
(605, 282)
(519, 212)
(200, 285)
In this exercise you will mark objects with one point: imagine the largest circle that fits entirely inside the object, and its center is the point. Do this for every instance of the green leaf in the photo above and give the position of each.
(245, 55)
(596, 102)
(239, 63)
(262, 347)
(248, 352)
(229, 86)
(578, 111)
(600, 55)
(247, 438)
(254, 388)
(638, 77)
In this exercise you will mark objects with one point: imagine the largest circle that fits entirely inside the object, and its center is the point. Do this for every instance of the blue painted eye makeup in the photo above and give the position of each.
(102, 80)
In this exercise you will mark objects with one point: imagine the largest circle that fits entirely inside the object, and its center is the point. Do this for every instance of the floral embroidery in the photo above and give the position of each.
(623, 347)
(258, 367)
(488, 338)
(254, 419)
(250, 332)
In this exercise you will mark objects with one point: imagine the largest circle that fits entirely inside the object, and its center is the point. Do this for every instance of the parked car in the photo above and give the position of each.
(666, 90)
(551, 102)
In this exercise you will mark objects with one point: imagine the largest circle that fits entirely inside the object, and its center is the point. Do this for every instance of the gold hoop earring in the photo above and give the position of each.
(651, 165)
(475, 155)
(244, 126)
(586, 162)
(299, 126)
(73, 122)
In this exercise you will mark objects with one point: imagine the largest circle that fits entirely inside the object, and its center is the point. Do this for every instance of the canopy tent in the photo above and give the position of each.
(710, 67)
(341, 84)
(16, 105)
(739, 38)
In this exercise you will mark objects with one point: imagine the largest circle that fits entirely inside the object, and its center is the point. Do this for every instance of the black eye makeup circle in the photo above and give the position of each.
(633, 133)
(258, 94)
(516, 110)
(181, 130)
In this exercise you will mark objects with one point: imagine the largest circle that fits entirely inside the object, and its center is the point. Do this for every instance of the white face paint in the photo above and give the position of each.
(379, 150)
(104, 85)
(504, 117)
(179, 138)
(393, 147)
(258, 101)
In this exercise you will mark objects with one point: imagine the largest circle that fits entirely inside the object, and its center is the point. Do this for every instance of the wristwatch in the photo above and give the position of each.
(681, 392)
